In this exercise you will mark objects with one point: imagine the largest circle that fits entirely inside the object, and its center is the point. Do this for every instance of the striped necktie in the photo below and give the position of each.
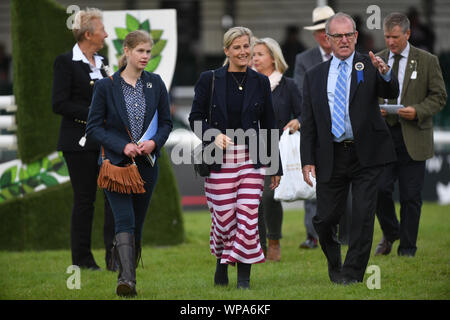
(340, 98)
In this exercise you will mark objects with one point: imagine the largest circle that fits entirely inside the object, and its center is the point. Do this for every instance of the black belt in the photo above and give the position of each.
(346, 143)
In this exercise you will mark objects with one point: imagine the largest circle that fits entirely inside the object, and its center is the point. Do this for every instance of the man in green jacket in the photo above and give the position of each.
(422, 93)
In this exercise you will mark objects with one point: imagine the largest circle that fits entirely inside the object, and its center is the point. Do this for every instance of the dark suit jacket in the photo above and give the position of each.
(373, 142)
(257, 107)
(287, 102)
(71, 98)
(108, 115)
(303, 62)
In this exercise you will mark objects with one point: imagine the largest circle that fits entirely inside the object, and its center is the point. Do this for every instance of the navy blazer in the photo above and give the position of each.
(108, 114)
(257, 110)
(373, 142)
(287, 102)
(71, 97)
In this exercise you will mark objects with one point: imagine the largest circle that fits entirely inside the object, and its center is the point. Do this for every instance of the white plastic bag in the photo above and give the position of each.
(292, 186)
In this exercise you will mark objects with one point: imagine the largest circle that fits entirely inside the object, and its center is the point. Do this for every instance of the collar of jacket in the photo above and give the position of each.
(149, 93)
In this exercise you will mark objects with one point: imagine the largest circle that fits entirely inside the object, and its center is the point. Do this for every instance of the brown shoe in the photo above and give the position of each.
(384, 247)
(274, 251)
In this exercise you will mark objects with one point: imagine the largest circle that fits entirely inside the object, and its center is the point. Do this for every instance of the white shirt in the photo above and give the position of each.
(401, 68)
(325, 56)
(78, 55)
(331, 86)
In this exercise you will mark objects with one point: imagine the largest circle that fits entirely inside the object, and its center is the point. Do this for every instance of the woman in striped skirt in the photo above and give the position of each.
(232, 104)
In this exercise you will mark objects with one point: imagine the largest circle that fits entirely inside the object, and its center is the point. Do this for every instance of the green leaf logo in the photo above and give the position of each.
(21, 179)
(132, 24)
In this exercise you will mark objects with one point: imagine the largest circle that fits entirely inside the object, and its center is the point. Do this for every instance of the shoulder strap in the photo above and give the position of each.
(211, 97)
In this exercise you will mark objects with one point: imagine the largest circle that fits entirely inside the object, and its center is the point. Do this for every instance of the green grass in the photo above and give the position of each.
(186, 271)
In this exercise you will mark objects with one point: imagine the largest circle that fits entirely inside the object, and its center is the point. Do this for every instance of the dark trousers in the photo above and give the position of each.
(310, 212)
(130, 209)
(270, 215)
(410, 177)
(331, 203)
(83, 170)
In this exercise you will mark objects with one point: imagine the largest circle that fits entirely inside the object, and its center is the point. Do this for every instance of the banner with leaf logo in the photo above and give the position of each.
(160, 24)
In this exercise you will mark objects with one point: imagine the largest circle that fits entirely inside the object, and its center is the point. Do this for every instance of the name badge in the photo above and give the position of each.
(414, 75)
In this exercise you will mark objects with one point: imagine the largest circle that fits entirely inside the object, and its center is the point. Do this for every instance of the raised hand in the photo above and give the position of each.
(378, 63)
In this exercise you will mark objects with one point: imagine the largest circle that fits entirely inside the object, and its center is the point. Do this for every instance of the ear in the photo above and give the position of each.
(408, 34)
(328, 40)
(356, 36)
(225, 50)
(126, 50)
(87, 35)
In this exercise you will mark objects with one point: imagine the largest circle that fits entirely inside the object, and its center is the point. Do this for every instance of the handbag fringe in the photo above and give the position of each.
(120, 179)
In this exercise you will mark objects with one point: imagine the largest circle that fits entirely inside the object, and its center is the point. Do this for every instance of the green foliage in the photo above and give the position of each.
(39, 34)
(164, 221)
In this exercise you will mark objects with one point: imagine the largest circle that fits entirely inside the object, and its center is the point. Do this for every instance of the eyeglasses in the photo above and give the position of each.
(339, 36)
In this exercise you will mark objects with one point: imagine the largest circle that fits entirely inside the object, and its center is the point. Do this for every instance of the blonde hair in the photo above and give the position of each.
(234, 33)
(276, 53)
(131, 41)
(83, 22)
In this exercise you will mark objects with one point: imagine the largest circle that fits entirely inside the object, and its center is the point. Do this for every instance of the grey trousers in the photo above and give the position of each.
(310, 212)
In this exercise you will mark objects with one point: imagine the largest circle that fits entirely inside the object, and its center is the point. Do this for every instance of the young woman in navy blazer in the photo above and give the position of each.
(129, 101)
(241, 100)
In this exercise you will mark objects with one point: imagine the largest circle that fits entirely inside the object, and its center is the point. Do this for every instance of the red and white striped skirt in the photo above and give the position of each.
(233, 195)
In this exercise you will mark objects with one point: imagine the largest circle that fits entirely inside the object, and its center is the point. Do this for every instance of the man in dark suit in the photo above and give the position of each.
(74, 75)
(303, 62)
(422, 93)
(345, 140)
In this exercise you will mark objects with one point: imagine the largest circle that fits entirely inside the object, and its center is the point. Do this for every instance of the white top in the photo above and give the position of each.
(325, 56)
(78, 55)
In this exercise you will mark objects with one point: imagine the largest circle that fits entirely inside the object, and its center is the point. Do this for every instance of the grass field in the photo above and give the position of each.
(186, 271)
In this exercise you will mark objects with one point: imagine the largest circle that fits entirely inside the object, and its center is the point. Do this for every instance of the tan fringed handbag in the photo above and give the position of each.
(120, 179)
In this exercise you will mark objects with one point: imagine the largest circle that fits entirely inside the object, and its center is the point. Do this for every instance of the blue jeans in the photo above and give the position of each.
(129, 210)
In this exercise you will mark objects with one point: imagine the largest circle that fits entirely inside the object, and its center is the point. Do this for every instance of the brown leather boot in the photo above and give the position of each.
(274, 251)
